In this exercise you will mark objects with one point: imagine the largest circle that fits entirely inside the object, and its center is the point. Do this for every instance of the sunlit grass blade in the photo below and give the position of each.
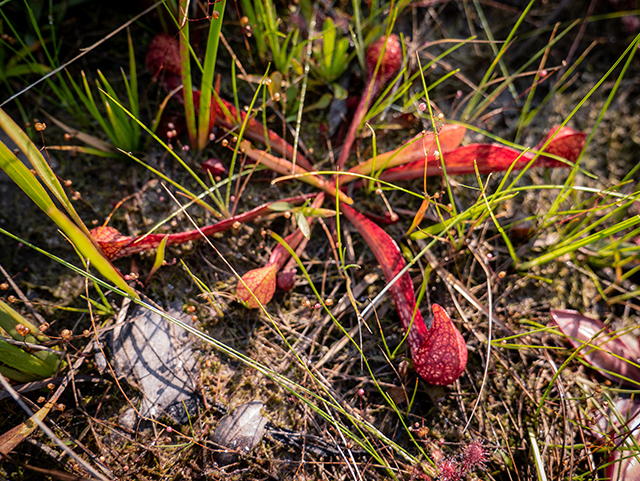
(209, 70)
(40, 165)
(629, 53)
(92, 106)
(577, 244)
(78, 234)
(185, 71)
(471, 106)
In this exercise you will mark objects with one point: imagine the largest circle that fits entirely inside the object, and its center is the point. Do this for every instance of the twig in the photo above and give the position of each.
(32, 417)
(482, 262)
(22, 296)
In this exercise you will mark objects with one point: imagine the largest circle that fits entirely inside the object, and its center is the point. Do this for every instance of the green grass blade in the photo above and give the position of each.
(22, 361)
(9, 319)
(603, 234)
(241, 135)
(498, 56)
(39, 164)
(185, 63)
(209, 71)
(134, 101)
(23, 177)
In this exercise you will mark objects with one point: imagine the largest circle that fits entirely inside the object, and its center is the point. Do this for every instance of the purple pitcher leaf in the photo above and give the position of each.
(611, 352)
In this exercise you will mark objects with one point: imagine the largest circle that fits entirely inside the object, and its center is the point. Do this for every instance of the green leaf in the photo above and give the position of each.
(303, 224)
(18, 359)
(10, 318)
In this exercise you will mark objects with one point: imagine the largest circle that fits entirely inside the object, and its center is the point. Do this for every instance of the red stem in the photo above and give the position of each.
(117, 245)
(365, 101)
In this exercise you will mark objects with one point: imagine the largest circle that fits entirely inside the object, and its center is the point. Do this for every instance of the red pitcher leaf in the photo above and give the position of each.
(611, 352)
(442, 356)
(625, 464)
(256, 131)
(390, 50)
(621, 421)
(492, 158)
(389, 256)
(262, 282)
(110, 240)
(225, 115)
(413, 150)
(623, 412)
(567, 143)
(286, 168)
(387, 219)
(286, 279)
(442, 367)
(214, 167)
(163, 55)
(115, 245)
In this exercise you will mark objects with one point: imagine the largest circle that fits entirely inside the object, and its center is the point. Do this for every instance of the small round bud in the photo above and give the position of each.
(43, 327)
(41, 400)
(403, 370)
(191, 309)
(23, 330)
(61, 407)
(40, 126)
(51, 386)
(12, 299)
(215, 15)
(4, 286)
(236, 225)
(66, 334)
(360, 392)
(329, 302)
